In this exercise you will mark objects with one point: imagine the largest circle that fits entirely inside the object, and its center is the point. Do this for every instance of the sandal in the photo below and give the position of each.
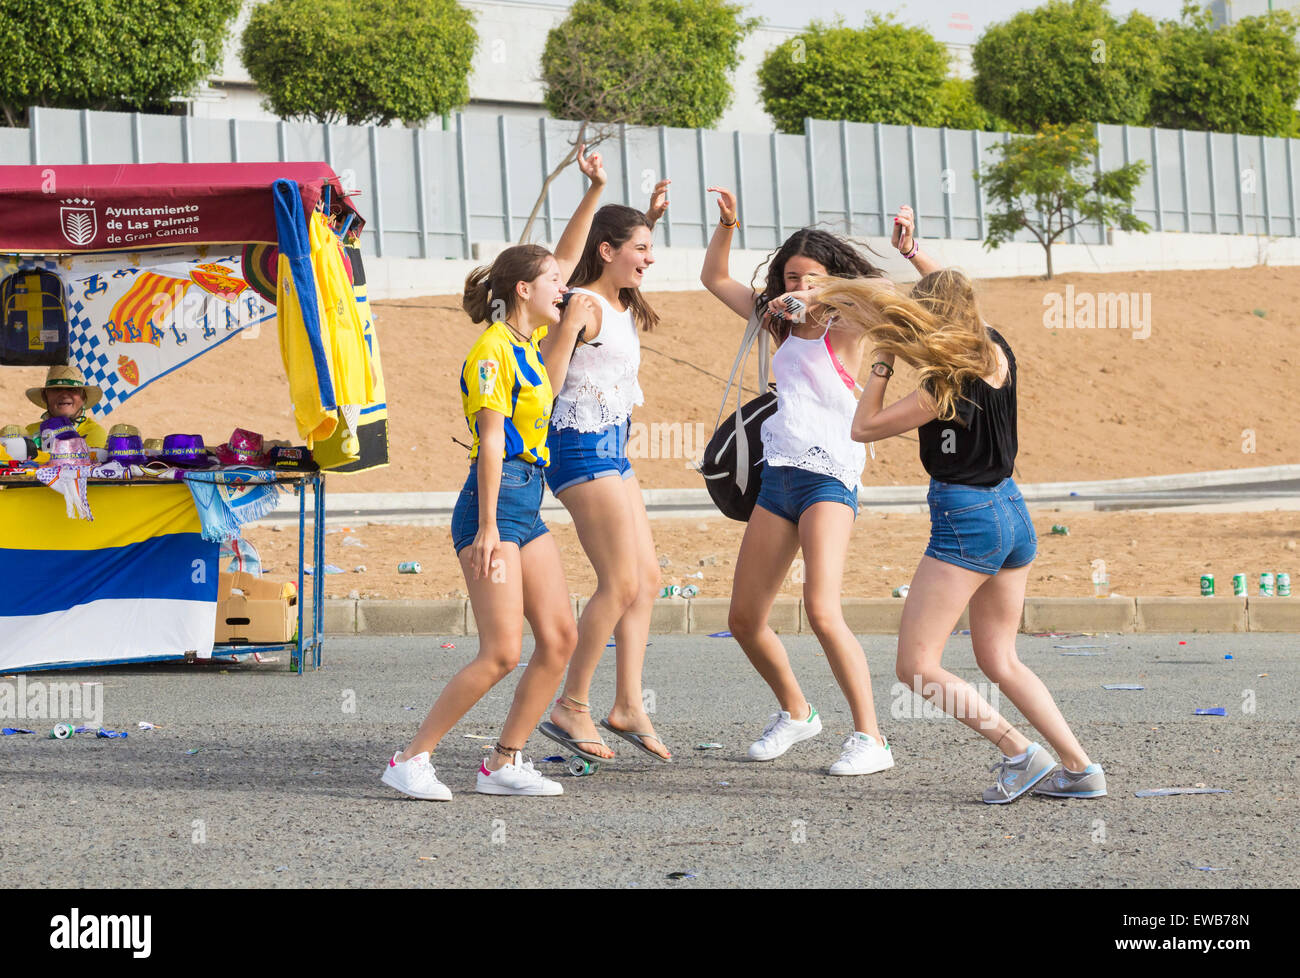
(636, 740)
(565, 739)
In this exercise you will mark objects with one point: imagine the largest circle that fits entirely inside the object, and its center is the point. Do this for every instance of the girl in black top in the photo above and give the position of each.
(982, 540)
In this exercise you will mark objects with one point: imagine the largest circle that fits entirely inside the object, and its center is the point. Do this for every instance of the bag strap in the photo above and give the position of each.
(753, 331)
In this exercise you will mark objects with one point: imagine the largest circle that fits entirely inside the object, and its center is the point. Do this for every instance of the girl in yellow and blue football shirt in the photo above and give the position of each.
(511, 563)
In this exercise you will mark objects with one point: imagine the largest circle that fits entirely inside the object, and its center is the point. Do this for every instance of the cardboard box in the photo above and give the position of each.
(252, 610)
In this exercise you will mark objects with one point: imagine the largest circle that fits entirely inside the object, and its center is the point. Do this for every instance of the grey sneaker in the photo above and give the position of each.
(1088, 783)
(1015, 779)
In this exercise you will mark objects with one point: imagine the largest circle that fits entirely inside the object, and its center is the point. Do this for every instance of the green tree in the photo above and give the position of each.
(1068, 61)
(1048, 183)
(644, 62)
(128, 55)
(1242, 78)
(881, 72)
(959, 110)
(360, 61)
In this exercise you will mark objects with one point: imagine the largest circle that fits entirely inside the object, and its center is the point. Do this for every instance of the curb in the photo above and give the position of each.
(865, 616)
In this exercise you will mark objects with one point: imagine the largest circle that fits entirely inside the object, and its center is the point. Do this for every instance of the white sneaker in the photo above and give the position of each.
(863, 755)
(516, 777)
(415, 777)
(782, 733)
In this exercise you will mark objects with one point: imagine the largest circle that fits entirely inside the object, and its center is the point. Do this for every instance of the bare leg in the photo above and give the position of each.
(633, 629)
(935, 600)
(498, 603)
(547, 608)
(994, 621)
(607, 531)
(824, 531)
(766, 552)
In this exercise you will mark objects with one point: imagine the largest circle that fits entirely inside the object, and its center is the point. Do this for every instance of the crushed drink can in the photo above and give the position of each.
(1239, 586)
(1283, 585)
(1207, 585)
(1060, 530)
(1266, 587)
(690, 591)
(671, 591)
(409, 567)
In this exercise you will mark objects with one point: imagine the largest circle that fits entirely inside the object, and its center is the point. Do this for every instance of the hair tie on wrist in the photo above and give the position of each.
(915, 248)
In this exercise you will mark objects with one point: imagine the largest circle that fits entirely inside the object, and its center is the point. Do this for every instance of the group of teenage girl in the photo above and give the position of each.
(548, 389)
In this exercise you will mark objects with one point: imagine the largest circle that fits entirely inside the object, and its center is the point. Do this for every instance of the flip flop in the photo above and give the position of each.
(551, 731)
(635, 739)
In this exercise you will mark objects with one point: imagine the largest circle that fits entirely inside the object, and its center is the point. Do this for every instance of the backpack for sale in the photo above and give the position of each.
(733, 459)
(33, 320)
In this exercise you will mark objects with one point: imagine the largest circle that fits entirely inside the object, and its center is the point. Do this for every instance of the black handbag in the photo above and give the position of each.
(733, 458)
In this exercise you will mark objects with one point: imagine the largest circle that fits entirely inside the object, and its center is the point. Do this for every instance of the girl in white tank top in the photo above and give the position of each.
(810, 454)
(600, 391)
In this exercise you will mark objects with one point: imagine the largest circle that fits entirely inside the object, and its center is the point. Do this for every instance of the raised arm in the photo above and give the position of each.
(905, 242)
(658, 202)
(568, 250)
(557, 346)
(873, 421)
(716, 273)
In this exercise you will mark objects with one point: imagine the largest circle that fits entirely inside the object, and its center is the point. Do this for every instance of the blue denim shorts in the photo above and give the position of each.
(788, 491)
(519, 504)
(981, 528)
(579, 456)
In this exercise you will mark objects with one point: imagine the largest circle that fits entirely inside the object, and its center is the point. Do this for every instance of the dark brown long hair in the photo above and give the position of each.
(490, 289)
(615, 224)
(840, 259)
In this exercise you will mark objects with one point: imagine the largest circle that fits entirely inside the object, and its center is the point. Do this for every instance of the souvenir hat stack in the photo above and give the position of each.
(14, 441)
(124, 445)
(51, 428)
(70, 450)
(243, 448)
(186, 452)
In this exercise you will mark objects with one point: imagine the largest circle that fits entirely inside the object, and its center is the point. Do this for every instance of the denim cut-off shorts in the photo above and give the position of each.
(788, 491)
(519, 504)
(981, 528)
(579, 456)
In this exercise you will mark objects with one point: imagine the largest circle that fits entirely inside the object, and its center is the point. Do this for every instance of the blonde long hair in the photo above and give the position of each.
(937, 330)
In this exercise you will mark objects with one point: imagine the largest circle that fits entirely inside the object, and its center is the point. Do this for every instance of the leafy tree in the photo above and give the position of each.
(644, 62)
(959, 110)
(881, 72)
(1048, 183)
(129, 55)
(1242, 78)
(1068, 61)
(360, 61)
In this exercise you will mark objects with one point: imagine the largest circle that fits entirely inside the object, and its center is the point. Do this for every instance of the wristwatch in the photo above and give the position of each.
(885, 371)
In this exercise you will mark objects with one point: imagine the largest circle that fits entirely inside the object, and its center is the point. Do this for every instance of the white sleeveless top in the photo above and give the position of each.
(601, 386)
(814, 413)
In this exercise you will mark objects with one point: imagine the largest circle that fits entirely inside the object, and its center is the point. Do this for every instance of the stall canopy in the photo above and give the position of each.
(131, 271)
(69, 209)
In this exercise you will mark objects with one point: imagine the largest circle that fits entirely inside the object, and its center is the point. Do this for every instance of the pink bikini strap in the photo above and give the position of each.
(839, 367)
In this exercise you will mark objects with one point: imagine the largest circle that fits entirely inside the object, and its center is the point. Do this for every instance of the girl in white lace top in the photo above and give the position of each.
(808, 494)
(590, 474)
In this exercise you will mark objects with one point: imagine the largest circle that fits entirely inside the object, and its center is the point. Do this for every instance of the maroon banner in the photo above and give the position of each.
(61, 209)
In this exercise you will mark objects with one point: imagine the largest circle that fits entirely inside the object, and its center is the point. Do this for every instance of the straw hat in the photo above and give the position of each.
(65, 376)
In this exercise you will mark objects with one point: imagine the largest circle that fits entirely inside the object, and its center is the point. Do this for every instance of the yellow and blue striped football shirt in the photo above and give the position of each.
(505, 375)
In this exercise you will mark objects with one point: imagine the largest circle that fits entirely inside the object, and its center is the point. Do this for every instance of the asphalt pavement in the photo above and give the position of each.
(284, 789)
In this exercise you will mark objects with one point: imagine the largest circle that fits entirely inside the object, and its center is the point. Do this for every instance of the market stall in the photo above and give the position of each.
(113, 544)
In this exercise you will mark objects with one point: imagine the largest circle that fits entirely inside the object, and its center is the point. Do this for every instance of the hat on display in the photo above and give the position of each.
(292, 459)
(14, 441)
(124, 445)
(70, 450)
(52, 428)
(243, 448)
(153, 446)
(185, 451)
(63, 377)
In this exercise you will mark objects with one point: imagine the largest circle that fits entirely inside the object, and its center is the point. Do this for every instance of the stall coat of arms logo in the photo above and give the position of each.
(78, 221)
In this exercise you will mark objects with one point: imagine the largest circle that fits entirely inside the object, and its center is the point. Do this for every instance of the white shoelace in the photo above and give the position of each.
(773, 722)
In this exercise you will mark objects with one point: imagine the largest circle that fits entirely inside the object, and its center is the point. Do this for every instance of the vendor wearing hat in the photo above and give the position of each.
(67, 395)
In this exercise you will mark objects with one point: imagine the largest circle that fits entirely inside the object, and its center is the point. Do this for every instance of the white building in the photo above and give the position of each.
(506, 78)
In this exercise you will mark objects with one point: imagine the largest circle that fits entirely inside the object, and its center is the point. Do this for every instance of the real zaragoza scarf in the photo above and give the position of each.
(228, 498)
